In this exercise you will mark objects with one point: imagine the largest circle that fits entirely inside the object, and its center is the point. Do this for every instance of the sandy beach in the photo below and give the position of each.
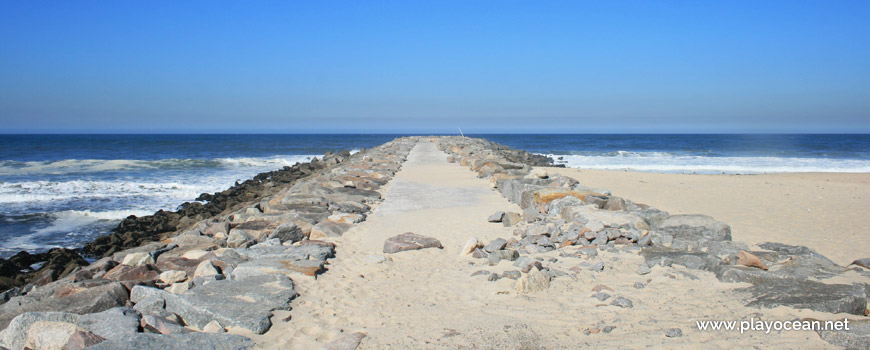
(824, 211)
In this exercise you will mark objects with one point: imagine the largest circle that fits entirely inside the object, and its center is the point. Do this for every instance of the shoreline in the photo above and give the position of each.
(824, 211)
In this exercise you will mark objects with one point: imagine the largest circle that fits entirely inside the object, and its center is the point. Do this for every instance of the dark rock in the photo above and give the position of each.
(511, 219)
(479, 254)
(499, 255)
(409, 241)
(667, 257)
(601, 296)
(638, 285)
(806, 294)
(493, 277)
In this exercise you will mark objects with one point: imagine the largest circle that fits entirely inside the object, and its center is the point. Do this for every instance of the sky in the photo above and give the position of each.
(434, 66)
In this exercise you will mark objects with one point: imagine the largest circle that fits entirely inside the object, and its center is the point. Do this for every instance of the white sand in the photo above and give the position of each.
(428, 299)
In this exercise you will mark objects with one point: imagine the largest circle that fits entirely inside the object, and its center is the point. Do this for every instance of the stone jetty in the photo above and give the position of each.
(424, 242)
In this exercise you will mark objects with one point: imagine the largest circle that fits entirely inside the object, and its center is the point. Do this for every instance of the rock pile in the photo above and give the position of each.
(560, 213)
(231, 269)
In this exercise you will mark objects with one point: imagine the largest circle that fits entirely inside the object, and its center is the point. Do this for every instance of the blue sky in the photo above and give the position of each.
(433, 66)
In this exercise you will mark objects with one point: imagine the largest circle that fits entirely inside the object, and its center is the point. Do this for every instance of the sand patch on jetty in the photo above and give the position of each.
(824, 211)
(428, 298)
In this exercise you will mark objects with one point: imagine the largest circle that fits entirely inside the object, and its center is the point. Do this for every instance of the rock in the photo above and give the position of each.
(80, 297)
(856, 337)
(601, 296)
(470, 246)
(479, 254)
(193, 340)
(673, 332)
(493, 277)
(693, 260)
(496, 244)
(511, 219)
(540, 173)
(748, 259)
(600, 287)
(214, 327)
(643, 269)
(329, 229)
(205, 268)
(245, 303)
(622, 302)
(180, 287)
(409, 241)
(172, 276)
(499, 255)
(512, 274)
(807, 294)
(114, 323)
(533, 281)
(15, 336)
(638, 285)
(154, 324)
(347, 342)
(614, 204)
(194, 254)
(129, 273)
(237, 237)
(598, 267)
(82, 339)
(52, 335)
(138, 259)
(865, 263)
(287, 232)
(496, 217)
(699, 225)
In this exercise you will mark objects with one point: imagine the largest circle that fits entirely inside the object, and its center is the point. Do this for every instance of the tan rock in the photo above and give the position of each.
(534, 281)
(214, 327)
(138, 259)
(194, 254)
(205, 268)
(180, 287)
(172, 276)
(471, 245)
(748, 259)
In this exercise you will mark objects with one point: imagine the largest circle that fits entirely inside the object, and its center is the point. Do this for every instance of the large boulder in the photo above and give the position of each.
(695, 225)
(80, 298)
(245, 303)
(150, 341)
(806, 294)
(409, 241)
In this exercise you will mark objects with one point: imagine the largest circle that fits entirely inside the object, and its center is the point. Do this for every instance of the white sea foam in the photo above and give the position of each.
(674, 163)
(79, 166)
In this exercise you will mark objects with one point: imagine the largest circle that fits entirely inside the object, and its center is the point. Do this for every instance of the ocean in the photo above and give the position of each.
(64, 190)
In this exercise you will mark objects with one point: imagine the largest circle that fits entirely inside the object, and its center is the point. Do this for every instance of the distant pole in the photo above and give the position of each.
(460, 132)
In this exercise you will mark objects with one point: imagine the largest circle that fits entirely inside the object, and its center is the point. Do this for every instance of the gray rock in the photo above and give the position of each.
(667, 257)
(94, 296)
(692, 224)
(598, 267)
(588, 252)
(238, 237)
(480, 273)
(15, 335)
(347, 342)
(608, 329)
(806, 294)
(409, 241)
(150, 341)
(493, 277)
(638, 285)
(246, 303)
(479, 254)
(622, 302)
(857, 337)
(601, 296)
(512, 274)
(330, 229)
(288, 232)
(496, 244)
(496, 217)
(349, 207)
(673, 332)
(155, 324)
(511, 219)
(113, 323)
(499, 255)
